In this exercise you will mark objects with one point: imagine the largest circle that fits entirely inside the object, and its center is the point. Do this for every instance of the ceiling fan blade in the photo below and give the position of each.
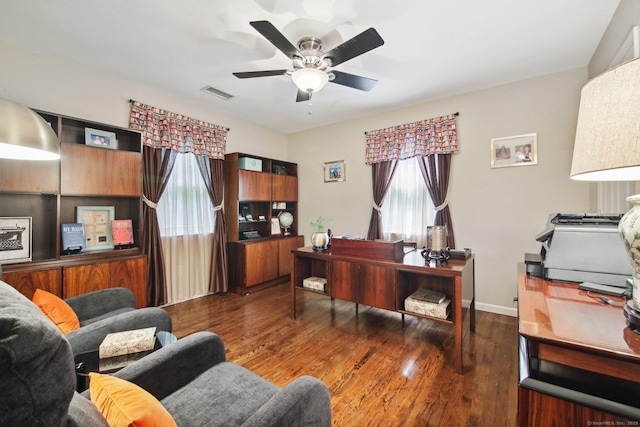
(351, 80)
(362, 43)
(303, 96)
(272, 34)
(252, 74)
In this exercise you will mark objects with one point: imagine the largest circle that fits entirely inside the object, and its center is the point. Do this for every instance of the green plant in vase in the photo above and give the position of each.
(320, 238)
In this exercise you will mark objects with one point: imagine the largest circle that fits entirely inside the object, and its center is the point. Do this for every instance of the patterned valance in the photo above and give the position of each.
(423, 138)
(164, 129)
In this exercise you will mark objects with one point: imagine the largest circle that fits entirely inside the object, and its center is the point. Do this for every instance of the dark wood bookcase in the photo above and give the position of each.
(50, 192)
(256, 263)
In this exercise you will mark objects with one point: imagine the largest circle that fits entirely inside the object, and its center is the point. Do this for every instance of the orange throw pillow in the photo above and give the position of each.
(56, 310)
(125, 404)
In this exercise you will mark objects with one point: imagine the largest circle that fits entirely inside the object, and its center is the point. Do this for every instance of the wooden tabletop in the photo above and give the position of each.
(559, 313)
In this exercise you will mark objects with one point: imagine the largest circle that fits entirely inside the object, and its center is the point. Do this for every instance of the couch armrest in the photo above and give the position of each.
(304, 402)
(89, 337)
(97, 303)
(171, 368)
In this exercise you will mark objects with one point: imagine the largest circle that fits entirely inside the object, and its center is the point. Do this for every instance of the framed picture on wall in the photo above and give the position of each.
(15, 239)
(335, 171)
(519, 150)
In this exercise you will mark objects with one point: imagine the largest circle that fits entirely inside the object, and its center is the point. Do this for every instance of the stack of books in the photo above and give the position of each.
(428, 303)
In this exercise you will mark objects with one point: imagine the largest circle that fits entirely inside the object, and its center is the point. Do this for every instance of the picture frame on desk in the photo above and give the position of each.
(97, 226)
(100, 138)
(15, 239)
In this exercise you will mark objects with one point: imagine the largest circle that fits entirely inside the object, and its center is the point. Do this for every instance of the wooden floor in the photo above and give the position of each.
(378, 373)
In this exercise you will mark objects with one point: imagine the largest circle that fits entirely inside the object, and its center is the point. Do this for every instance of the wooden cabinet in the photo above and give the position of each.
(285, 188)
(50, 193)
(253, 200)
(129, 273)
(257, 264)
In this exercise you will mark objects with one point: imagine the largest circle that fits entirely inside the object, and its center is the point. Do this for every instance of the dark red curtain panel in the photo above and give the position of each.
(158, 165)
(212, 171)
(435, 171)
(381, 175)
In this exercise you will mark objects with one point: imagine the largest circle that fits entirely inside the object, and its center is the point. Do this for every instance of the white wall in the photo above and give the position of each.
(45, 83)
(495, 212)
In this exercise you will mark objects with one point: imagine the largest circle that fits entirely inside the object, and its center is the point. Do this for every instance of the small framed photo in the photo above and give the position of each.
(15, 239)
(97, 226)
(335, 171)
(100, 138)
(275, 226)
(519, 150)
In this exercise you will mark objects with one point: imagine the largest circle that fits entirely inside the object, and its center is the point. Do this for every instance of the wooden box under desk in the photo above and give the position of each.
(386, 284)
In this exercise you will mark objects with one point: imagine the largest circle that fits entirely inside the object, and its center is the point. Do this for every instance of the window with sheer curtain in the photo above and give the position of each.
(407, 209)
(186, 219)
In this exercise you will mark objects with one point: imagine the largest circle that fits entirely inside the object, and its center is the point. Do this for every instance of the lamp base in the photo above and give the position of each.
(632, 314)
(629, 227)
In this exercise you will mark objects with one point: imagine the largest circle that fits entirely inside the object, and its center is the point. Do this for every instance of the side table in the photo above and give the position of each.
(90, 361)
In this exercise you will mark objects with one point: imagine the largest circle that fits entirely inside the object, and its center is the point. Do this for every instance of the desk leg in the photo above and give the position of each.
(457, 297)
(293, 286)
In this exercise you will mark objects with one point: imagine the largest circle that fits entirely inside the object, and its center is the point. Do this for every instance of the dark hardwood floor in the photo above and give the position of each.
(378, 373)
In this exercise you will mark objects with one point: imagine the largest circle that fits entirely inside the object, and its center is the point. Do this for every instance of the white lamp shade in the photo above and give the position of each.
(607, 146)
(310, 80)
(25, 135)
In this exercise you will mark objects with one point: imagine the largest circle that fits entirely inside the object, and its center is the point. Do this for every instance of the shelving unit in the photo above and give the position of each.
(50, 192)
(258, 257)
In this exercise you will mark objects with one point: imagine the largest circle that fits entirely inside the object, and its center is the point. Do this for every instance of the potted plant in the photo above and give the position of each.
(320, 238)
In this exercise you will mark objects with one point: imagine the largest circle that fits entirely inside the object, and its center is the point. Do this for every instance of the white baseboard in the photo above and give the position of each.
(490, 308)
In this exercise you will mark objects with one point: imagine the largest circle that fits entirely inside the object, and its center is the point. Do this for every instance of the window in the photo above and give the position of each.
(186, 218)
(407, 209)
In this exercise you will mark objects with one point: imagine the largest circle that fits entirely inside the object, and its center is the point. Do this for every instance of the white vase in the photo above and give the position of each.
(630, 231)
(319, 240)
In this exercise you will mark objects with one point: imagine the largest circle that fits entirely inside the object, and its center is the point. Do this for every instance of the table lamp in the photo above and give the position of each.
(607, 146)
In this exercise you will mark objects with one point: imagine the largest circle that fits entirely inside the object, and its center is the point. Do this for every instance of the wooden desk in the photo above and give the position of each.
(579, 362)
(386, 284)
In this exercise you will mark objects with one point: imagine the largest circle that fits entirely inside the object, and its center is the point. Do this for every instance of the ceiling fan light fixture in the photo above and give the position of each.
(310, 80)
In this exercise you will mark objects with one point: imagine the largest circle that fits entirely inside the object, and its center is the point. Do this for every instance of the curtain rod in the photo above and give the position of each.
(457, 113)
(227, 129)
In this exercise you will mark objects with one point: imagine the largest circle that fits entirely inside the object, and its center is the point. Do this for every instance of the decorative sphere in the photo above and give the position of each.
(286, 219)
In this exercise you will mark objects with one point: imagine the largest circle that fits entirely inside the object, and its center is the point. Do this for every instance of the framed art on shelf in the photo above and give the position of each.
(519, 150)
(335, 171)
(15, 239)
(97, 226)
(100, 138)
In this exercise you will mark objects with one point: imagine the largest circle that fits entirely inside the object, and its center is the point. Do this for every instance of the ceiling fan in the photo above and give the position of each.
(311, 66)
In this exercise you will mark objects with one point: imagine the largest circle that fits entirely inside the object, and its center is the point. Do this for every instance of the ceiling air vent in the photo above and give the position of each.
(217, 92)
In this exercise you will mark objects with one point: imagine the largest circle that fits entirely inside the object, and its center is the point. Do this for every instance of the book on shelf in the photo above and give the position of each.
(72, 237)
(428, 295)
(122, 232)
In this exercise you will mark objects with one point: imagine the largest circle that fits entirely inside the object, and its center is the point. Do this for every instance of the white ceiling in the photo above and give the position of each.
(433, 48)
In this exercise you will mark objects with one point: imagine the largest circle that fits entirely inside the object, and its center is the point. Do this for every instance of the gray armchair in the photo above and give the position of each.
(191, 378)
(110, 310)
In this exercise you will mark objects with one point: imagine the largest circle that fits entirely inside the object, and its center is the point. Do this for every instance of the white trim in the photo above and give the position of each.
(491, 308)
